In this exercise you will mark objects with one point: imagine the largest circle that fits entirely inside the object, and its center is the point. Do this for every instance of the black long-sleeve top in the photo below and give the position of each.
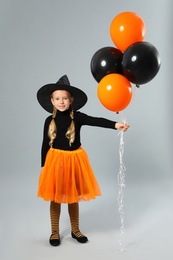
(63, 122)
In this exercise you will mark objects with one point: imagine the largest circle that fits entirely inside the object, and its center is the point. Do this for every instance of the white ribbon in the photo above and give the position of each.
(121, 186)
(121, 182)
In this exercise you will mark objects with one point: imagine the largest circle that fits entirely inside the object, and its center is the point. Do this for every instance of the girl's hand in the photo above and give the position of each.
(121, 126)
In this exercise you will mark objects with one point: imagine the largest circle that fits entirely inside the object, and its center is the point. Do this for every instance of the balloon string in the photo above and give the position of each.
(121, 186)
(121, 178)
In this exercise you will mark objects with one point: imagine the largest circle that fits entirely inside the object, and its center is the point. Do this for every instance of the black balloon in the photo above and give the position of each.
(140, 62)
(105, 61)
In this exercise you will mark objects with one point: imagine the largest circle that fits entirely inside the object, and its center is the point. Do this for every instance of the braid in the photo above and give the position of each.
(70, 134)
(52, 128)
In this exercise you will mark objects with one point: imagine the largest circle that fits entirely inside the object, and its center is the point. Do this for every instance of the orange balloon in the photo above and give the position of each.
(114, 92)
(127, 28)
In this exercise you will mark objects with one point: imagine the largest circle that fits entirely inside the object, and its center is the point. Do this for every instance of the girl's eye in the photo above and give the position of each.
(65, 98)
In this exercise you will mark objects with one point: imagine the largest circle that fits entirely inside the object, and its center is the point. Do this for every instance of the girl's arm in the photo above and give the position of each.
(45, 143)
(85, 119)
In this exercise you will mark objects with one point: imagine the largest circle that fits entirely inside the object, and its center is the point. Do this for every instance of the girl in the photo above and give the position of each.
(66, 175)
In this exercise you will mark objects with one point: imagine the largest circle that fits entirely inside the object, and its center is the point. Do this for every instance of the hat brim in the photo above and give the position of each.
(44, 96)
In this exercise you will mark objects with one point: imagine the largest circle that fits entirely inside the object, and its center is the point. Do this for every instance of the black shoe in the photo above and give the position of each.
(54, 242)
(81, 239)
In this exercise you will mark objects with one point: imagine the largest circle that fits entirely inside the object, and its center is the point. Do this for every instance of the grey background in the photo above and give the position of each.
(40, 41)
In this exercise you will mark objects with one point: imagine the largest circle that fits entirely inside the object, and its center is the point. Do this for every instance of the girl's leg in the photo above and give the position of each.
(73, 210)
(55, 210)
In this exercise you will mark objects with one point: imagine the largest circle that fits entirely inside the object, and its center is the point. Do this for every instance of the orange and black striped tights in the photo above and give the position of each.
(73, 210)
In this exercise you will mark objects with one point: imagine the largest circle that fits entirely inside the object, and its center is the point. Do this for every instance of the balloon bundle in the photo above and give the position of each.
(132, 60)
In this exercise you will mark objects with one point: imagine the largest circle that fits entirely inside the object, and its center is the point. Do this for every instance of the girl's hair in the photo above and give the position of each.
(70, 134)
(52, 128)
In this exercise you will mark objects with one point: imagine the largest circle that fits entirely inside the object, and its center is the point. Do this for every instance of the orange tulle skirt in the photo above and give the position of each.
(67, 177)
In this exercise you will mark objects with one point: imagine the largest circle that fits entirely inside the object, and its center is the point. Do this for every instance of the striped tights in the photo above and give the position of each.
(55, 211)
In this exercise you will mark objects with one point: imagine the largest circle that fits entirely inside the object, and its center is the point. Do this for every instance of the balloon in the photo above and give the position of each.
(105, 61)
(141, 62)
(114, 92)
(127, 28)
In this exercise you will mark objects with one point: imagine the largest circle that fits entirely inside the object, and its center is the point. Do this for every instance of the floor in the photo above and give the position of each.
(148, 215)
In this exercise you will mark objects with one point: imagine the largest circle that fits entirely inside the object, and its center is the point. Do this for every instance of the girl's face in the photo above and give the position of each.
(61, 100)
